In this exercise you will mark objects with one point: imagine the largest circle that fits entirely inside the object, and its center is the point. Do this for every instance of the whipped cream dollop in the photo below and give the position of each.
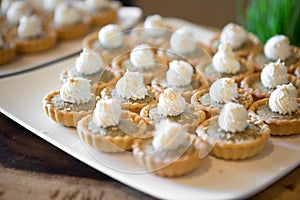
(284, 99)
(89, 62)
(224, 90)
(107, 113)
(233, 118)
(142, 56)
(180, 73)
(155, 26)
(182, 41)
(273, 74)
(277, 47)
(66, 15)
(234, 34)
(50, 5)
(96, 5)
(30, 26)
(170, 103)
(131, 86)
(224, 61)
(15, 11)
(5, 5)
(110, 36)
(76, 90)
(170, 135)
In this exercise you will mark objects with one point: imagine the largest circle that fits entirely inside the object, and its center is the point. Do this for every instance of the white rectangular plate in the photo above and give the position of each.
(21, 98)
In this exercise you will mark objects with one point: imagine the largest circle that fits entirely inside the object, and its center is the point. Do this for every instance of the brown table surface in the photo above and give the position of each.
(31, 168)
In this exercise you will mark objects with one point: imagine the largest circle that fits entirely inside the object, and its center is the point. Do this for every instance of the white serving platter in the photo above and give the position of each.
(21, 97)
(64, 48)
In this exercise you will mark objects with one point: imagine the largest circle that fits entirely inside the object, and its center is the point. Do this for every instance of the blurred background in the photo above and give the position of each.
(213, 12)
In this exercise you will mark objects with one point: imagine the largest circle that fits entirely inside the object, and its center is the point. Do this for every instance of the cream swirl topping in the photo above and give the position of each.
(277, 47)
(76, 90)
(30, 26)
(234, 34)
(65, 15)
(95, 5)
(142, 56)
(224, 90)
(170, 103)
(15, 11)
(182, 41)
(5, 5)
(273, 74)
(170, 135)
(284, 99)
(224, 61)
(50, 5)
(110, 36)
(107, 113)
(131, 86)
(155, 26)
(233, 118)
(89, 62)
(180, 73)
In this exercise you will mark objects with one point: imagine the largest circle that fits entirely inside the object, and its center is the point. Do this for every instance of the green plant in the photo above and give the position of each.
(266, 18)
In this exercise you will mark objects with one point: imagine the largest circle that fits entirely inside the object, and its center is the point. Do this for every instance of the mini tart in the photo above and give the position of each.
(234, 146)
(91, 42)
(7, 53)
(119, 140)
(64, 113)
(130, 104)
(252, 45)
(198, 83)
(37, 44)
(279, 124)
(139, 36)
(122, 63)
(202, 100)
(73, 31)
(156, 162)
(104, 78)
(207, 71)
(189, 119)
(164, 51)
(258, 59)
(254, 86)
(104, 16)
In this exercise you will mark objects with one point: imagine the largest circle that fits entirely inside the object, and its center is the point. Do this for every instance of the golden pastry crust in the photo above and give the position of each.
(256, 93)
(135, 107)
(138, 35)
(96, 87)
(91, 42)
(194, 58)
(160, 70)
(73, 31)
(252, 45)
(291, 63)
(234, 150)
(106, 16)
(108, 143)
(7, 54)
(190, 127)
(64, 117)
(237, 77)
(186, 94)
(278, 127)
(212, 111)
(37, 44)
(164, 167)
